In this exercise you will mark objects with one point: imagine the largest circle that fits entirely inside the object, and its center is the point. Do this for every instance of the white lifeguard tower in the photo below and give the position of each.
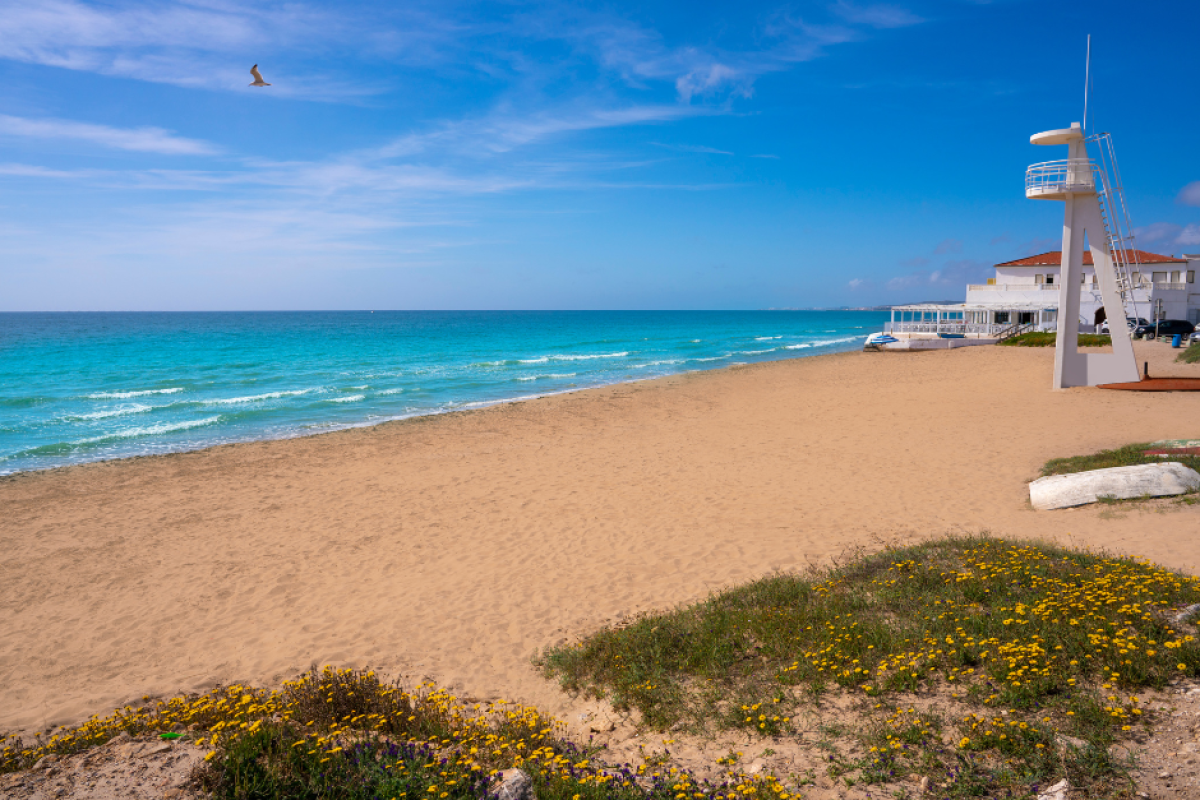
(1095, 208)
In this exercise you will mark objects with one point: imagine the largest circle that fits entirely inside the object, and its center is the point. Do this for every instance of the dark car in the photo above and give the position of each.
(1165, 327)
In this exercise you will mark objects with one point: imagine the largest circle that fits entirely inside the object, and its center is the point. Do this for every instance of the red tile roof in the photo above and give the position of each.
(1054, 259)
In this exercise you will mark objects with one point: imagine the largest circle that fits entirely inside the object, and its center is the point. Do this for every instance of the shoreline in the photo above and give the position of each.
(465, 406)
(458, 548)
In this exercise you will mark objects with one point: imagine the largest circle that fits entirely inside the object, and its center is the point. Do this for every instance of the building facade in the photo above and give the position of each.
(1024, 294)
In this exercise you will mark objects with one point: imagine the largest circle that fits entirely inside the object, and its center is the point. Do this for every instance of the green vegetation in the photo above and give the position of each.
(346, 735)
(1047, 339)
(1191, 355)
(988, 666)
(1127, 456)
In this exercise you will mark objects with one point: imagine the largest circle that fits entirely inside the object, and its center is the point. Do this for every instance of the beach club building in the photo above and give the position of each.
(1023, 295)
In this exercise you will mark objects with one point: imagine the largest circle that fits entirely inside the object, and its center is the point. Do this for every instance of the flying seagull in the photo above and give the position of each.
(258, 81)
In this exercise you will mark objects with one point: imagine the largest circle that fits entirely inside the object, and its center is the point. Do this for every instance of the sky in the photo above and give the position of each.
(526, 155)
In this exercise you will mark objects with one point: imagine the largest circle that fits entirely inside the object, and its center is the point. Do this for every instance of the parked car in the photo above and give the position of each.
(1165, 327)
(1132, 322)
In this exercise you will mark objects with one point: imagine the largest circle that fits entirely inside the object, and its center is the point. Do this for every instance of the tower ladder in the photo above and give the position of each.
(1118, 228)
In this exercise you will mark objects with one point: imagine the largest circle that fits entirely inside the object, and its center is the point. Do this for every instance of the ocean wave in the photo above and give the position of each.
(766, 338)
(152, 430)
(621, 354)
(539, 377)
(390, 391)
(541, 360)
(822, 343)
(757, 352)
(137, 393)
(136, 408)
(254, 398)
(354, 398)
(658, 363)
(713, 358)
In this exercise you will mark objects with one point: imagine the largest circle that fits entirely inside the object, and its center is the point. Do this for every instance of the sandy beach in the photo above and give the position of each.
(457, 547)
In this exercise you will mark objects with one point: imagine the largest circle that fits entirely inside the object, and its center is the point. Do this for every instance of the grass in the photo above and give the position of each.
(1047, 339)
(1127, 456)
(969, 660)
(346, 735)
(1191, 355)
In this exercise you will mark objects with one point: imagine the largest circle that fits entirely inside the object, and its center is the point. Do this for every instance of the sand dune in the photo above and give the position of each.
(457, 547)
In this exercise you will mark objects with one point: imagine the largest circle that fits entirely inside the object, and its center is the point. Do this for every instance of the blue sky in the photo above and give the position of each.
(531, 155)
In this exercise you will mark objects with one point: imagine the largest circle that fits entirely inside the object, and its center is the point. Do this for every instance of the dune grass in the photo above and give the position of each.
(1048, 339)
(1127, 456)
(1023, 644)
(1191, 354)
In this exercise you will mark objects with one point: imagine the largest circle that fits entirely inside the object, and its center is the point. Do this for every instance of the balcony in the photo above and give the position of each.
(1055, 180)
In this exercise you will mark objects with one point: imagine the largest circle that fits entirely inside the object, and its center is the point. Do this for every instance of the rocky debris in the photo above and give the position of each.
(1056, 792)
(515, 784)
(125, 768)
(1121, 483)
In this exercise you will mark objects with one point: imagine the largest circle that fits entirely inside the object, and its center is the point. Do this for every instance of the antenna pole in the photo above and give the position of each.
(1087, 70)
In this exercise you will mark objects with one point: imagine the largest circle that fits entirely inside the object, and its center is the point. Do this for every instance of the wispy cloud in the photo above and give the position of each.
(1190, 194)
(948, 246)
(145, 140)
(953, 275)
(876, 16)
(180, 43)
(694, 148)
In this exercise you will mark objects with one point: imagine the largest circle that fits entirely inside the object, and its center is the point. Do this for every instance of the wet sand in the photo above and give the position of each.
(457, 547)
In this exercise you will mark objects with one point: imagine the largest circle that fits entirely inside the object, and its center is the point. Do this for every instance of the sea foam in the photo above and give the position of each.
(138, 393)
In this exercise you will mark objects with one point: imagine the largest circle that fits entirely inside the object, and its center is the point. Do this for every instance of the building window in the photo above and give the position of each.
(1191, 276)
(1001, 317)
(1176, 277)
(1049, 280)
(1158, 277)
(1039, 279)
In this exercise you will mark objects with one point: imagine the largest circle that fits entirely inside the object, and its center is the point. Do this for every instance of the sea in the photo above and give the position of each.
(80, 387)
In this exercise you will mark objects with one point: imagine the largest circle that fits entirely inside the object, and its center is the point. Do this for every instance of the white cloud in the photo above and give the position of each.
(876, 16)
(1190, 194)
(856, 283)
(948, 246)
(1189, 235)
(1158, 232)
(145, 140)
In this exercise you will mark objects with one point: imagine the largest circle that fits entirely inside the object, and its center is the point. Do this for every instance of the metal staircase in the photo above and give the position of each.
(1118, 229)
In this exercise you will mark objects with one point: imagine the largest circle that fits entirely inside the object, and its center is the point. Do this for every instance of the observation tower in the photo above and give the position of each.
(1095, 211)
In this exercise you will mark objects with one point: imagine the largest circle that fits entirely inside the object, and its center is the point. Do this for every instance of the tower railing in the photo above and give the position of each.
(1065, 176)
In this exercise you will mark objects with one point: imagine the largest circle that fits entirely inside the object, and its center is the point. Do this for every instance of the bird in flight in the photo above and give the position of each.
(258, 81)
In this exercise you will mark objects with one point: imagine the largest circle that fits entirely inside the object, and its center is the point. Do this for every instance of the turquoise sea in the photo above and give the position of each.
(77, 387)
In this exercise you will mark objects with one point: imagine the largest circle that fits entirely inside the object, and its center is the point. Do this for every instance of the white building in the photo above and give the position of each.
(1024, 295)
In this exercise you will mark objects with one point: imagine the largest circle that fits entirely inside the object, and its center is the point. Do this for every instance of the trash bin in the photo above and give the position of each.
(1176, 340)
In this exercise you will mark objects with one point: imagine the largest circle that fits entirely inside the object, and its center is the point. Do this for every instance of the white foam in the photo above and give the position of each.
(365, 386)
(541, 360)
(757, 352)
(621, 354)
(152, 430)
(254, 398)
(354, 398)
(136, 408)
(822, 343)
(657, 363)
(391, 391)
(766, 338)
(715, 358)
(539, 377)
(123, 395)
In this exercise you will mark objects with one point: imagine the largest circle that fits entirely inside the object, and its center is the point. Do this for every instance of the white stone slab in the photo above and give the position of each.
(1123, 483)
